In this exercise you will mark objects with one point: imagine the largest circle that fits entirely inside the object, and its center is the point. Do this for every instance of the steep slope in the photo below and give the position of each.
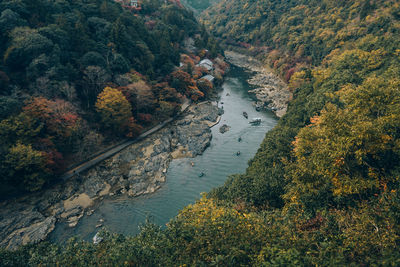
(323, 189)
(325, 50)
(303, 32)
(56, 59)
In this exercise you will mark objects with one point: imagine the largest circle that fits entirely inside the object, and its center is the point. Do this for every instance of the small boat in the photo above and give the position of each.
(201, 174)
(240, 139)
(245, 115)
(238, 153)
(255, 121)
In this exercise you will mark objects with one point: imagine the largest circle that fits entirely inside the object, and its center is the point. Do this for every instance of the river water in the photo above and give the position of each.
(183, 186)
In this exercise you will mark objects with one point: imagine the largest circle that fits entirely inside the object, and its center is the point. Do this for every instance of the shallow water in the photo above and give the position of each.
(183, 186)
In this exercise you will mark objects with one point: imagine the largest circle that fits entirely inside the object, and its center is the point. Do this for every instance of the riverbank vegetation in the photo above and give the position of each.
(323, 189)
(62, 63)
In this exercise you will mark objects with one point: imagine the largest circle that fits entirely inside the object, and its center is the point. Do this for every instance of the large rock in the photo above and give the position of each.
(31, 234)
(224, 128)
(136, 170)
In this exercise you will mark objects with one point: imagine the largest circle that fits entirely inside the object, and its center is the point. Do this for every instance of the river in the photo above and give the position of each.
(183, 186)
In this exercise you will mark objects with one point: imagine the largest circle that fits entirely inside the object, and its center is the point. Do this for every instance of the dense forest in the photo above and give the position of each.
(76, 76)
(200, 5)
(323, 189)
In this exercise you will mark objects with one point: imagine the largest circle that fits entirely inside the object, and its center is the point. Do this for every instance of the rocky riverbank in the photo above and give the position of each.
(139, 169)
(271, 91)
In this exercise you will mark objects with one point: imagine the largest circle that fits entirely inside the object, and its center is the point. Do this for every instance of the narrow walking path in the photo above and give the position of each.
(114, 150)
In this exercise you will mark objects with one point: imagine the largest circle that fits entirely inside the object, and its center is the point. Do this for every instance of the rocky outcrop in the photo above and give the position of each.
(224, 128)
(23, 224)
(271, 91)
(139, 169)
(31, 234)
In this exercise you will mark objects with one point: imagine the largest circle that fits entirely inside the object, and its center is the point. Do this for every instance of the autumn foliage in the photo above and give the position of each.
(114, 110)
(34, 139)
(185, 84)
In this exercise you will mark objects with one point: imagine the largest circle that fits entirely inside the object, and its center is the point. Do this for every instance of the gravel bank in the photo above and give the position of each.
(271, 91)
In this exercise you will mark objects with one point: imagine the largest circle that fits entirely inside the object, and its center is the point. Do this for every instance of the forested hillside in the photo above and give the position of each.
(76, 76)
(323, 189)
(200, 5)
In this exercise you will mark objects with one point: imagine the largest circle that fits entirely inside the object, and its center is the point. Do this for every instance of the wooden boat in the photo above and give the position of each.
(255, 121)
(245, 115)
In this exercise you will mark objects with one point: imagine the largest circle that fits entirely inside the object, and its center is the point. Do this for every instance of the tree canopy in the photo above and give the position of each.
(65, 64)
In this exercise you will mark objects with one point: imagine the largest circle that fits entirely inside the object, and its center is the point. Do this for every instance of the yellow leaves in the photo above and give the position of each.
(294, 198)
(206, 213)
(325, 34)
(348, 185)
(339, 161)
(344, 148)
(114, 108)
(359, 60)
(295, 144)
(320, 75)
(296, 80)
(386, 138)
(375, 58)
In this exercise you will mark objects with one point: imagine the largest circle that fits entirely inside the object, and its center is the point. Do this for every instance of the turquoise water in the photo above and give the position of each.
(183, 186)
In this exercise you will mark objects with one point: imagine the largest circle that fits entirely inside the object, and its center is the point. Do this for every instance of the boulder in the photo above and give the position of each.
(224, 128)
(31, 234)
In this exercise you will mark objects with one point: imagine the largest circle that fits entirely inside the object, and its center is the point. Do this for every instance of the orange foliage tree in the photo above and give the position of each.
(114, 109)
(185, 84)
(58, 117)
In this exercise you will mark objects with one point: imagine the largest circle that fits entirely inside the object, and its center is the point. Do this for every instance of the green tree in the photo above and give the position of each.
(26, 167)
(26, 44)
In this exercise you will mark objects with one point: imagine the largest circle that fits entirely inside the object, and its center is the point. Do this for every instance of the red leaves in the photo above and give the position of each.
(54, 161)
(39, 107)
(133, 128)
(313, 223)
(184, 83)
(128, 93)
(289, 74)
(58, 116)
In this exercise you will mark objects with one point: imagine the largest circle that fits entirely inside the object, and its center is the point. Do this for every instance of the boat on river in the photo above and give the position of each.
(255, 121)
(217, 162)
(245, 115)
